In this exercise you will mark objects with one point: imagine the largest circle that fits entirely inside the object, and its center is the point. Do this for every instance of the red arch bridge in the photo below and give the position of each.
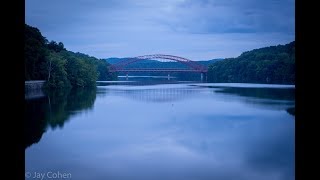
(192, 66)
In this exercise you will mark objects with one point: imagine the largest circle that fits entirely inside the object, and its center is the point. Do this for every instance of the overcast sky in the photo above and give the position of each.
(194, 29)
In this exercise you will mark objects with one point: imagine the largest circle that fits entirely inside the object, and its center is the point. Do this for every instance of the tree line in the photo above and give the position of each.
(61, 68)
(274, 65)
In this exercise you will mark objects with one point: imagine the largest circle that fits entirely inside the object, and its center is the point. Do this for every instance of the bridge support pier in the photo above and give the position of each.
(127, 76)
(201, 77)
(168, 76)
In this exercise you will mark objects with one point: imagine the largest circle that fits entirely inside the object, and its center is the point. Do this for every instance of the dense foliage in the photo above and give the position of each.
(275, 64)
(36, 54)
(60, 68)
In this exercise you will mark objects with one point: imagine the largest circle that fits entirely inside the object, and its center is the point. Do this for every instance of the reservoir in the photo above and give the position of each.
(176, 131)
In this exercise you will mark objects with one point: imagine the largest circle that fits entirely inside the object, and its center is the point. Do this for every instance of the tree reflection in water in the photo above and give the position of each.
(54, 109)
(267, 97)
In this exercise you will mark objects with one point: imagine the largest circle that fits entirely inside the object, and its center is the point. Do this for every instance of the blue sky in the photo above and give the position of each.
(194, 29)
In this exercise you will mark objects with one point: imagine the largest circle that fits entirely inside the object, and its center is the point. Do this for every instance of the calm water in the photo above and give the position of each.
(168, 131)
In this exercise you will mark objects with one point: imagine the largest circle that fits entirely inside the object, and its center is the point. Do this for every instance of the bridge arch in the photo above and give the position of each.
(195, 67)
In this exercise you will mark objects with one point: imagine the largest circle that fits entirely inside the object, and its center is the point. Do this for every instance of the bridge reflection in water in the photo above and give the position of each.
(156, 95)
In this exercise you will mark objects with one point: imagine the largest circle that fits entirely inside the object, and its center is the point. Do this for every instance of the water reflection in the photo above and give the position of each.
(271, 98)
(164, 132)
(261, 93)
(53, 109)
(157, 95)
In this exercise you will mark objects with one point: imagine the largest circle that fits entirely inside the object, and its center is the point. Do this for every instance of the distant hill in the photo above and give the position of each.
(208, 62)
(274, 64)
(113, 60)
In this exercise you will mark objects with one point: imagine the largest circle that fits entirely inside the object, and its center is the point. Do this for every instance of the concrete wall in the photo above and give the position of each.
(33, 89)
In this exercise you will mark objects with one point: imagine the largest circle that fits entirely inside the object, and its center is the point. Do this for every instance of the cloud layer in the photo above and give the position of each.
(195, 29)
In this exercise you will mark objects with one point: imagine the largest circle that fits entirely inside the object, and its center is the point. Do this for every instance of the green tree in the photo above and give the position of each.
(54, 46)
(104, 74)
(81, 70)
(57, 74)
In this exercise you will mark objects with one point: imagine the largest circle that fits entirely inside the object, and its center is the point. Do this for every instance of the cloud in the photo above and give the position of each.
(237, 16)
(195, 29)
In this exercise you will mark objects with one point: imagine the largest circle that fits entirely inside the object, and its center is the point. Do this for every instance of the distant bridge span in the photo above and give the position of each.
(193, 65)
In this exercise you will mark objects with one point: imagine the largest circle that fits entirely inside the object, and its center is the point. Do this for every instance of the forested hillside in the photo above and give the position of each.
(60, 68)
(274, 64)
